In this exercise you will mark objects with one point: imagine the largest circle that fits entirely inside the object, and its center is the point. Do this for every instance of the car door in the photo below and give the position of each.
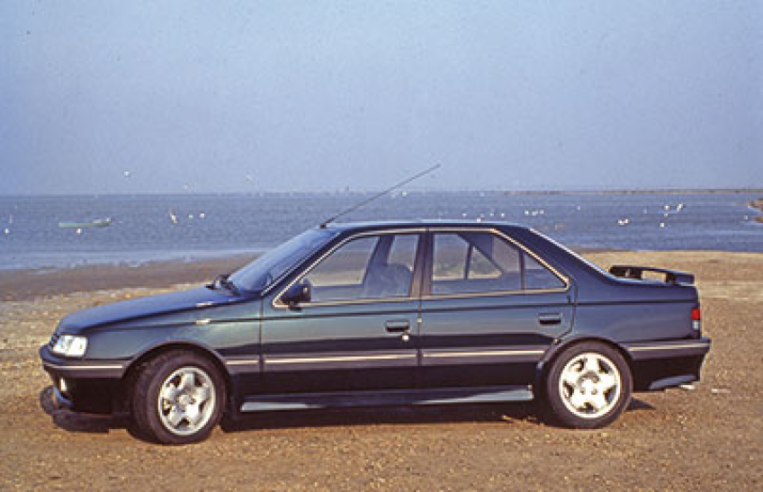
(490, 309)
(358, 332)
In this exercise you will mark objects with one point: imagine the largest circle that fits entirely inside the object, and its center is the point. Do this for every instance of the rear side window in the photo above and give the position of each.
(473, 262)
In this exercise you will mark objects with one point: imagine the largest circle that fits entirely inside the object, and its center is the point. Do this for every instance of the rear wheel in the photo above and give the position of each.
(588, 386)
(178, 398)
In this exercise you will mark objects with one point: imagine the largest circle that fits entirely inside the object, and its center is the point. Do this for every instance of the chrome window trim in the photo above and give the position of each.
(277, 304)
(372, 300)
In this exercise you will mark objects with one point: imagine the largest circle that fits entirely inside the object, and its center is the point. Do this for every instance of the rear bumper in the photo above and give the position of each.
(83, 386)
(665, 364)
(668, 349)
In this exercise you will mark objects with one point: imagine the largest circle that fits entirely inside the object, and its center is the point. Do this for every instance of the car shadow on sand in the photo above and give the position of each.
(478, 413)
(481, 413)
(346, 417)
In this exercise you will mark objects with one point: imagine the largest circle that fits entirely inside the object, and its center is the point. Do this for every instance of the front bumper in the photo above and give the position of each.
(84, 386)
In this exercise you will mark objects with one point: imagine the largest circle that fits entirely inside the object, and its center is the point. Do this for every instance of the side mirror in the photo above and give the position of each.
(297, 293)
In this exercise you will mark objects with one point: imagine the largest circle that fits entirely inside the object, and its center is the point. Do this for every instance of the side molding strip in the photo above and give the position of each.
(242, 362)
(83, 367)
(339, 358)
(669, 349)
(482, 353)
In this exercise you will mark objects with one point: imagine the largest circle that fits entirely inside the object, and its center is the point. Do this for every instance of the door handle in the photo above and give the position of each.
(550, 318)
(397, 326)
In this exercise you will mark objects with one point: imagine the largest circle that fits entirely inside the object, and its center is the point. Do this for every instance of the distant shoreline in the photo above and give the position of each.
(719, 191)
(665, 191)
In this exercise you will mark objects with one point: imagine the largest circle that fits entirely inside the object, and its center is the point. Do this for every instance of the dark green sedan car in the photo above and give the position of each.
(386, 313)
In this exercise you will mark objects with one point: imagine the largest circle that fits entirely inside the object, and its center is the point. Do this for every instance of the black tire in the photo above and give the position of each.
(590, 403)
(194, 395)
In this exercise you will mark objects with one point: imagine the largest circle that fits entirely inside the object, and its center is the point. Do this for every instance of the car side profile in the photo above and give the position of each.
(386, 313)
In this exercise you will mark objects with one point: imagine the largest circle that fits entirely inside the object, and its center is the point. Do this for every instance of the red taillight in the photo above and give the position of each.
(696, 319)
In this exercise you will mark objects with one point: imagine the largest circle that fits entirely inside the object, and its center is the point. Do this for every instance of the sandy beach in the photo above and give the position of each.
(708, 437)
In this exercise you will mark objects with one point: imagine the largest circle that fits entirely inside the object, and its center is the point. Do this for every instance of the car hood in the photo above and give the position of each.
(198, 298)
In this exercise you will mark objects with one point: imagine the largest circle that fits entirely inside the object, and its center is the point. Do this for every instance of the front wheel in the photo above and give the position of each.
(588, 386)
(178, 398)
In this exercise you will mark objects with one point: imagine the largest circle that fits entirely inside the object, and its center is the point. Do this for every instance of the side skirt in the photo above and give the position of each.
(437, 396)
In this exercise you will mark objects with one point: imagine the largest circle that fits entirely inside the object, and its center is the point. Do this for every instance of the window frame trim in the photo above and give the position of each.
(426, 286)
(416, 278)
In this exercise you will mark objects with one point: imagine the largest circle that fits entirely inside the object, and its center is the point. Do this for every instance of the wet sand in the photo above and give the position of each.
(17, 285)
(710, 437)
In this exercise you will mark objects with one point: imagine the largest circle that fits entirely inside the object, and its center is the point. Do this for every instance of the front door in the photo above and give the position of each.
(490, 309)
(358, 332)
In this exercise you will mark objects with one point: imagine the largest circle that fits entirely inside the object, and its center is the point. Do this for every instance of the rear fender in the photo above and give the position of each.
(559, 346)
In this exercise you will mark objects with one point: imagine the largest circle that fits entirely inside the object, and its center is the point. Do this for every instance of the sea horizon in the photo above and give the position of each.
(59, 231)
(349, 191)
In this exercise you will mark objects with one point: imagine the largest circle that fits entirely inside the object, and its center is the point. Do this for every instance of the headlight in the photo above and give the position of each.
(70, 346)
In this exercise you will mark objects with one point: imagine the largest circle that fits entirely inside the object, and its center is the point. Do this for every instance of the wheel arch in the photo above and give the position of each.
(137, 364)
(542, 368)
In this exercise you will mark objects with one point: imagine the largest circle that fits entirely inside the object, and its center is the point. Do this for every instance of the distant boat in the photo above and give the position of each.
(81, 225)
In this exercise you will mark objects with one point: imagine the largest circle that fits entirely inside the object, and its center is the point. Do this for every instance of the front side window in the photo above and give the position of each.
(473, 262)
(369, 267)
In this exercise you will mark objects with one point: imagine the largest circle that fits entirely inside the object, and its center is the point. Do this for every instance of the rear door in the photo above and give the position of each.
(359, 330)
(490, 309)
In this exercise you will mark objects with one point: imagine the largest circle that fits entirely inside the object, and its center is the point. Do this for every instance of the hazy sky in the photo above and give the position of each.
(250, 96)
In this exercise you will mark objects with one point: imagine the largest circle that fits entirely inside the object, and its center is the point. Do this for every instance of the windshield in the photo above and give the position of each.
(260, 273)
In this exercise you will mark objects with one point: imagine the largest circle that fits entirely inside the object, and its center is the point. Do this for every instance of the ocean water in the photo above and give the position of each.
(158, 227)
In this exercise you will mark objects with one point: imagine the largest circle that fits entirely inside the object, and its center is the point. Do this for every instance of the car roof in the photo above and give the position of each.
(417, 224)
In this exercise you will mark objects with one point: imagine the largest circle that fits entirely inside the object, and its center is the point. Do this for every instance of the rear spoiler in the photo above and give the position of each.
(637, 273)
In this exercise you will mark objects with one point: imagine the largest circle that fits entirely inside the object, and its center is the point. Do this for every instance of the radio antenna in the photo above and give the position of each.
(365, 202)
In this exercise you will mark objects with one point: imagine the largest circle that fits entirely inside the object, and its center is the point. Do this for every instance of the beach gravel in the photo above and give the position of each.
(706, 436)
